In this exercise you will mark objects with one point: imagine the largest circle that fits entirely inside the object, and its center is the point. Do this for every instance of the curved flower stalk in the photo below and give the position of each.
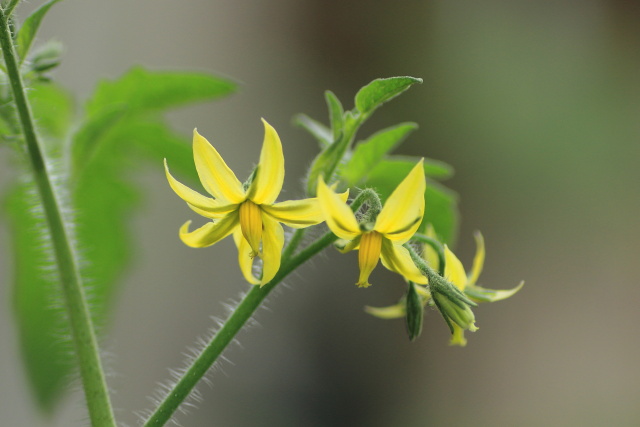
(245, 210)
(383, 237)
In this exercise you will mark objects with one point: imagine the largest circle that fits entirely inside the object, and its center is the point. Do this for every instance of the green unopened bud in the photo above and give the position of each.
(414, 311)
(457, 312)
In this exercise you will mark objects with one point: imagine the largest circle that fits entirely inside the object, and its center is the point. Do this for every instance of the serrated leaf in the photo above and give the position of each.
(139, 93)
(336, 114)
(140, 90)
(319, 131)
(380, 91)
(29, 28)
(369, 153)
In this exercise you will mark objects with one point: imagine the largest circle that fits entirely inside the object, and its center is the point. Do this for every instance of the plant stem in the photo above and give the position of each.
(240, 316)
(231, 327)
(436, 245)
(9, 9)
(82, 331)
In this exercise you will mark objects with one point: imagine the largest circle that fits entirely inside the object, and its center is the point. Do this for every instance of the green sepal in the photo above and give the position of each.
(45, 58)
(380, 91)
(367, 154)
(315, 128)
(415, 312)
(29, 28)
(480, 294)
(336, 114)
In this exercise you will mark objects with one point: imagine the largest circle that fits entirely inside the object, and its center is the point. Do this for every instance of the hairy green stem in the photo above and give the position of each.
(225, 335)
(82, 331)
(10, 6)
(239, 317)
(436, 245)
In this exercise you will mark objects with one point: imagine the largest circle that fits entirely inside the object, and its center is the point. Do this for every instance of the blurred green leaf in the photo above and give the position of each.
(45, 57)
(336, 114)
(118, 132)
(37, 306)
(141, 90)
(315, 128)
(29, 28)
(380, 91)
(369, 153)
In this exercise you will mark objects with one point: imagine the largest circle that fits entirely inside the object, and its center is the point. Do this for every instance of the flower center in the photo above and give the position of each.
(251, 225)
(368, 256)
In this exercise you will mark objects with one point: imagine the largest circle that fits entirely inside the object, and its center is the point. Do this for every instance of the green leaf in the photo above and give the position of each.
(139, 94)
(440, 202)
(415, 313)
(315, 128)
(28, 30)
(323, 163)
(380, 91)
(140, 90)
(54, 108)
(336, 114)
(369, 153)
(36, 301)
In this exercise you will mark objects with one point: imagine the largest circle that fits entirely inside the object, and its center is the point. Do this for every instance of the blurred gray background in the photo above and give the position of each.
(535, 104)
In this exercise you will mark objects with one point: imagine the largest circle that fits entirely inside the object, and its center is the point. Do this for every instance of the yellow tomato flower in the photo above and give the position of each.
(455, 273)
(397, 222)
(246, 211)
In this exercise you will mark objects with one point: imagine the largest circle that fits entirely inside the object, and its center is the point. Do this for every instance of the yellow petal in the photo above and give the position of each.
(215, 175)
(209, 233)
(396, 258)
(402, 213)
(337, 213)
(457, 338)
(390, 312)
(453, 269)
(270, 174)
(215, 212)
(368, 256)
(245, 258)
(478, 260)
(188, 195)
(272, 243)
(296, 213)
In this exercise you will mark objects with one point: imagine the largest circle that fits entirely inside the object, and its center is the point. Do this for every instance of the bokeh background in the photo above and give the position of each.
(535, 104)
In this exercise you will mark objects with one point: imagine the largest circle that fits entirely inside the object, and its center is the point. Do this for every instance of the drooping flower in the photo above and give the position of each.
(455, 273)
(248, 211)
(459, 318)
(383, 238)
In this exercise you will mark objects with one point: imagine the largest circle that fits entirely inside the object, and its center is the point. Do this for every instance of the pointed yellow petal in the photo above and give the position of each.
(368, 256)
(390, 312)
(478, 260)
(453, 269)
(296, 213)
(216, 212)
(188, 195)
(215, 175)
(402, 213)
(338, 215)
(245, 258)
(396, 258)
(209, 233)
(270, 174)
(272, 243)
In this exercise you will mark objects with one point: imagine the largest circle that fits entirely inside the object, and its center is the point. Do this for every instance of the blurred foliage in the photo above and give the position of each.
(91, 160)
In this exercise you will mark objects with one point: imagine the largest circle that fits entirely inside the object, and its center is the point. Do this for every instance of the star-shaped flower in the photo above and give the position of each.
(383, 238)
(247, 211)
